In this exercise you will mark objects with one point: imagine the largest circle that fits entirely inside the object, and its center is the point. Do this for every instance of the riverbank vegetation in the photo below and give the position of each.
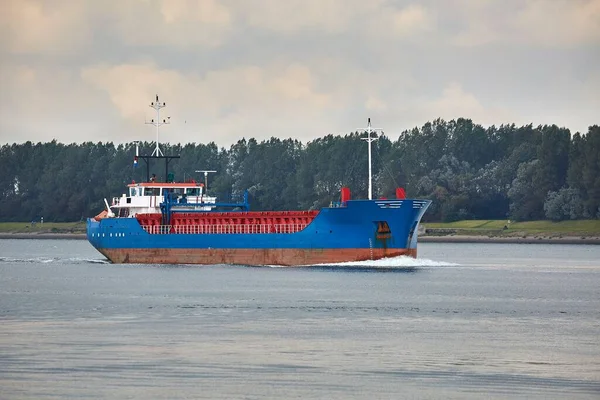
(46, 227)
(470, 172)
(503, 228)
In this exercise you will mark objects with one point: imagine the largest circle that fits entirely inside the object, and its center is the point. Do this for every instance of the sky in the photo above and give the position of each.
(86, 70)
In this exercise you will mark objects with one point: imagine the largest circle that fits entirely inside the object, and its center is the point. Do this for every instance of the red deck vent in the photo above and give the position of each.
(400, 193)
(345, 194)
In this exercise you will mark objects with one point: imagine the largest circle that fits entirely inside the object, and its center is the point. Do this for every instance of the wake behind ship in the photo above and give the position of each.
(177, 223)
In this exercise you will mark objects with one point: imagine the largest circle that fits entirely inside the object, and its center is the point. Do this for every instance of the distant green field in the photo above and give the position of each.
(497, 227)
(46, 227)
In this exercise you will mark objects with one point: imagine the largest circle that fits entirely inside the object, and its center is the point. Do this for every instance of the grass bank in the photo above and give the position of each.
(503, 228)
(46, 227)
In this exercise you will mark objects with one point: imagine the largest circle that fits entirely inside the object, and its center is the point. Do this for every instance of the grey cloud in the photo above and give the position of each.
(266, 68)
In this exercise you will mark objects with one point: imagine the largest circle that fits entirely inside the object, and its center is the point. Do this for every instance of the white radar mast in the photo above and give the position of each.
(157, 122)
(369, 140)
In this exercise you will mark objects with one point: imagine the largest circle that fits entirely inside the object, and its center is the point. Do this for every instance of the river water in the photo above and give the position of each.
(463, 321)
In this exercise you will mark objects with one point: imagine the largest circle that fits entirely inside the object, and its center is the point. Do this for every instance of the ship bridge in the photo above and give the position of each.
(145, 197)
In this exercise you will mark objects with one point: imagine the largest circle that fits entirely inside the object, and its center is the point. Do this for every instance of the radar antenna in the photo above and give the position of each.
(205, 177)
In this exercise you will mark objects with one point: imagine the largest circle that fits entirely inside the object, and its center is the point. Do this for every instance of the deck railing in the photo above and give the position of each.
(223, 229)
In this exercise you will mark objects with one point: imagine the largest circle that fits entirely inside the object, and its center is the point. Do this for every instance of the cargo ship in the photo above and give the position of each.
(179, 223)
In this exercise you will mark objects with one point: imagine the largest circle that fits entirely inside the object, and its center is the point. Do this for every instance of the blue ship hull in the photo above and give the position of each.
(337, 234)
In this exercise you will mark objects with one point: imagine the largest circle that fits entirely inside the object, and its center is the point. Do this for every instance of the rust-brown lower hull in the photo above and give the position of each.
(286, 257)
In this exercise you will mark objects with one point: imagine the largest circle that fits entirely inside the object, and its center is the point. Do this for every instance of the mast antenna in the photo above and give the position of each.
(205, 177)
(369, 140)
(157, 105)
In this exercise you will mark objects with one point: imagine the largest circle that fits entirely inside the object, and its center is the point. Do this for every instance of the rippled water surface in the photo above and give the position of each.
(463, 321)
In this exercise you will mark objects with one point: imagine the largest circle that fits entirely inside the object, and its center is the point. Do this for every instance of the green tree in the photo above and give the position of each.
(590, 173)
(525, 202)
(564, 204)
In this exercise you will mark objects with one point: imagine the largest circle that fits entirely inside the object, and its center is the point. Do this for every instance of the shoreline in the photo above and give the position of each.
(43, 235)
(510, 239)
(422, 239)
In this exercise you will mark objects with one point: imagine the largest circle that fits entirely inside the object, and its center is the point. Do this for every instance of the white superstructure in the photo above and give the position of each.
(145, 198)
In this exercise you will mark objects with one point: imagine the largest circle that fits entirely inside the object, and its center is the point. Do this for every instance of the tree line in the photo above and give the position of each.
(470, 172)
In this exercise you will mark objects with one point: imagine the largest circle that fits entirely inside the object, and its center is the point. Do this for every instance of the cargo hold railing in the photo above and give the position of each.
(223, 229)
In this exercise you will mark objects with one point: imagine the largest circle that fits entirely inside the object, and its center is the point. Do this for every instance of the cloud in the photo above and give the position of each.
(87, 70)
(455, 102)
(231, 99)
(129, 86)
(375, 18)
(206, 12)
(40, 104)
(560, 23)
(179, 23)
(64, 26)
(375, 103)
(557, 23)
(36, 27)
(244, 86)
(412, 20)
(292, 16)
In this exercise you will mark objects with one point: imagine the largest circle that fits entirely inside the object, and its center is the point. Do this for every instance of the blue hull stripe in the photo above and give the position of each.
(350, 227)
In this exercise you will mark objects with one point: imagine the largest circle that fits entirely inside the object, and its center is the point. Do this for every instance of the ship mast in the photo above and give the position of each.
(369, 140)
(157, 153)
(157, 106)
